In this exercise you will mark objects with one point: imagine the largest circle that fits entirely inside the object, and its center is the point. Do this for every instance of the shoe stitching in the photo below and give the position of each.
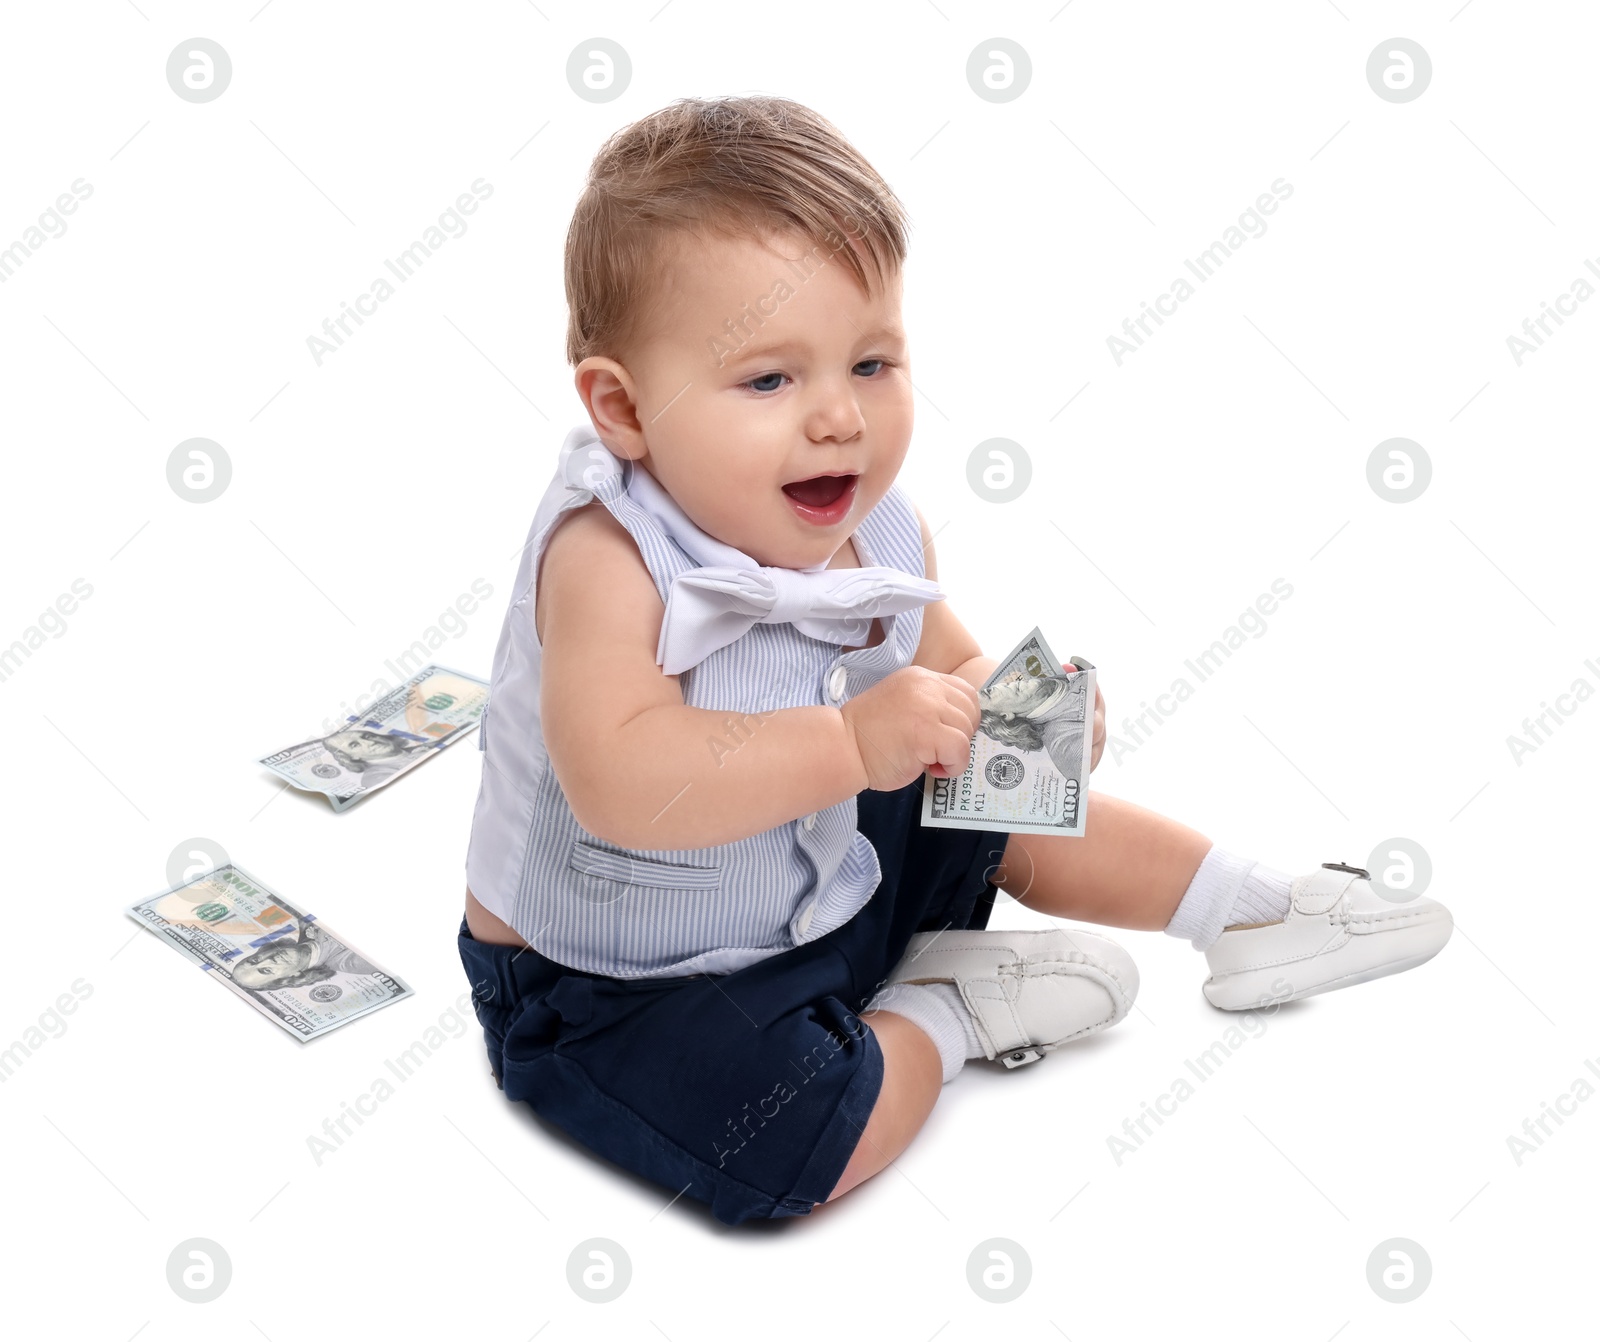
(1389, 919)
(1333, 943)
(1359, 975)
(1397, 916)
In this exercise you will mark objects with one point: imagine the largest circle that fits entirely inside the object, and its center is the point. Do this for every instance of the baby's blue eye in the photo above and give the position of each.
(771, 382)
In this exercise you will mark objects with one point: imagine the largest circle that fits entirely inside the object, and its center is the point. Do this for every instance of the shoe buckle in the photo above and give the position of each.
(1362, 872)
(1019, 1056)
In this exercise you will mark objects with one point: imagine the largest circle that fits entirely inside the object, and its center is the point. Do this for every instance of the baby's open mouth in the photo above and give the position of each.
(819, 491)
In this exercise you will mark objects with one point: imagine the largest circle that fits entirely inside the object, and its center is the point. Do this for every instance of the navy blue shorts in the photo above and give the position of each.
(747, 1091)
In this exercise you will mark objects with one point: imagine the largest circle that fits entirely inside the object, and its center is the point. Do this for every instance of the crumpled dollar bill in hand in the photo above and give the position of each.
(1029, 767)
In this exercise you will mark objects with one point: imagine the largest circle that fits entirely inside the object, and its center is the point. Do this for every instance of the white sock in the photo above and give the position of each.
(938, 1010)
(1228, 889)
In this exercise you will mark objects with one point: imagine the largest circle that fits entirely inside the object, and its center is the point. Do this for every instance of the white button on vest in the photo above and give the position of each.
(811, 820)
(836, 684)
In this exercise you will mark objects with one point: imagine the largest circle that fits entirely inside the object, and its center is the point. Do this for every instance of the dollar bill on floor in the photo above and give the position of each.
(411, 724)
(259, 946)
(1029, 767)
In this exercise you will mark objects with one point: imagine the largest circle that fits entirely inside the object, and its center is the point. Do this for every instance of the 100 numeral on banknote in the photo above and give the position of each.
(283, 962)
(1029, 766)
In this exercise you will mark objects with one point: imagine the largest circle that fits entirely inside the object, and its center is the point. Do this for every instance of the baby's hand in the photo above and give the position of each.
(1099, 739)
(913, 719)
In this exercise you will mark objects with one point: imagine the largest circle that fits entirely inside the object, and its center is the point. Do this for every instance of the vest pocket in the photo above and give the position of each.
(628, 870)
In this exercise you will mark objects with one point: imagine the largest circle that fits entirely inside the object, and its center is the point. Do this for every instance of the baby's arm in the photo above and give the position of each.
(639, 767)
(945, 644)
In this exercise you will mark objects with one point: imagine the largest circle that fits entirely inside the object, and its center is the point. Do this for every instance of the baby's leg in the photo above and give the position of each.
(912, 1076)
(1128, 869)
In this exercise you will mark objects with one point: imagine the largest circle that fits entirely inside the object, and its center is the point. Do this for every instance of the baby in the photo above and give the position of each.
(707, 932)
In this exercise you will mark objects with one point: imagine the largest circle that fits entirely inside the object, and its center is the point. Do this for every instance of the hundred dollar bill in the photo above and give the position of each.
(283, 962)
(409, 725)
(1029, 767)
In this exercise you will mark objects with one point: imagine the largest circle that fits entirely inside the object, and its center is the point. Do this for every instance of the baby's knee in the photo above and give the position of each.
(912, 1079)
(909, 1053)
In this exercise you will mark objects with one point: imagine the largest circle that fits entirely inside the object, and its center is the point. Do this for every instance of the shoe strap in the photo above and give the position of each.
(1318, 891)
(994, 1014)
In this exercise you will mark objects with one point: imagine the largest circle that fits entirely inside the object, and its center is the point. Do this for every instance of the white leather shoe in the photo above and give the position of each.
(1028, 992)
(1338, 931)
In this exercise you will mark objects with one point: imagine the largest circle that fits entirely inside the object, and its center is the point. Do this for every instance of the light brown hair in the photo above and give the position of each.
(735, 167)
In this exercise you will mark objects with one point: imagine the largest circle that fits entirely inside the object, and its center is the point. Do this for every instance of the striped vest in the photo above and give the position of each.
(651, 913)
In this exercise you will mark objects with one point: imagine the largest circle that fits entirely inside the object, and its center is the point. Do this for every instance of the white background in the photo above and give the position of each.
(370, 492)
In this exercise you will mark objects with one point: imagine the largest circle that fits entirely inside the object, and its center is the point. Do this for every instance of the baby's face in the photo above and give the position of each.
(751, 376)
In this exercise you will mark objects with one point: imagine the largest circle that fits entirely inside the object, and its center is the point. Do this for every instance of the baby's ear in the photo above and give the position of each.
(609, 395)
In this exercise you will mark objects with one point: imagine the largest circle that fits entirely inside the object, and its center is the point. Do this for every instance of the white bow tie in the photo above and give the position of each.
(716, 604)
